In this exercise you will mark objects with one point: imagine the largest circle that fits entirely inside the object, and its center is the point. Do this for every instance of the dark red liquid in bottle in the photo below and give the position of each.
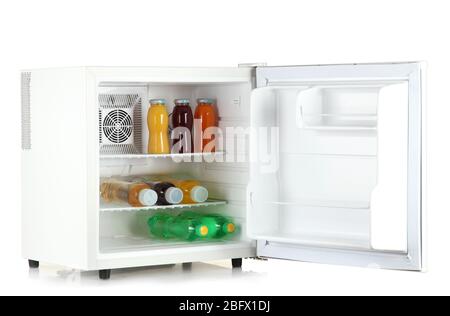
(182, 116)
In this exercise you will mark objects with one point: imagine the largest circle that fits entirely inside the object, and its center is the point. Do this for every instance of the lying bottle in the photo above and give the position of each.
(192, 190)
(218, 226)
(136, 194)
(166, 226)
(168, 193)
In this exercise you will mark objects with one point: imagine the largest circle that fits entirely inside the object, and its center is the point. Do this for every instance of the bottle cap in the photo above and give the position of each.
(229, 228)
(202, 230)
(206, 100)
(148, 197)
(199, 194)
(174, 195)
(182, 101)
(158, 101)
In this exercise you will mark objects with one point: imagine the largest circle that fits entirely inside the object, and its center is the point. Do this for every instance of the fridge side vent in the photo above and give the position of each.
(120, 124)
(137, 121)
(100, 120)
(26, 111)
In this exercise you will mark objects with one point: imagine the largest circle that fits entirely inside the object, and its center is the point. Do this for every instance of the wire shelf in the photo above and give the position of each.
(115, 207)
(151, 156)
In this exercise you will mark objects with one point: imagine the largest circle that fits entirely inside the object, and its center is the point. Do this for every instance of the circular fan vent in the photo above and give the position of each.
(118, 126)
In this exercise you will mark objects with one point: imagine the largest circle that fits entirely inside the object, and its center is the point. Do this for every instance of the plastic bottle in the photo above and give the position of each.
(158, 126)
(218, 226)
(206, 112)
(168, 193)
(166, 226)
(158, 225)
(182, 117)
(193, 191)
(136, 194)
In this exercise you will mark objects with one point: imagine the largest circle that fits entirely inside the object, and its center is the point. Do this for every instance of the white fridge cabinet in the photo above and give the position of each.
(331, 170)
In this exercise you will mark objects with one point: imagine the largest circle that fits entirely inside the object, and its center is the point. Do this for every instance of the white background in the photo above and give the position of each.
(49, 33)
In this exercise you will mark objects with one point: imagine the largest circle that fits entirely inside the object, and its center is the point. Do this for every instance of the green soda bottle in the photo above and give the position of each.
(158, 225)
(166, 226)
(225, 225)
(218, 226)
(187, 228)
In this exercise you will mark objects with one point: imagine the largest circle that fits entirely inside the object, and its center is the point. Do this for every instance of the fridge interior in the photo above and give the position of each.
(124, 228)
(337, 173)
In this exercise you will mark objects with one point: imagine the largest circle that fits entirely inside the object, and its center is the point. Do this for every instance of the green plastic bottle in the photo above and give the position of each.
(218, 226)
(166, 226)
(158, 225)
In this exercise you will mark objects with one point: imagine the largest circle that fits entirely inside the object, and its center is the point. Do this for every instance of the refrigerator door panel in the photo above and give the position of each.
(337, 164)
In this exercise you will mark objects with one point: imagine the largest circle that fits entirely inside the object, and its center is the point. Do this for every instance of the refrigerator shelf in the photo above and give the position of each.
(116, 207)
(121, 244)
(150, 156)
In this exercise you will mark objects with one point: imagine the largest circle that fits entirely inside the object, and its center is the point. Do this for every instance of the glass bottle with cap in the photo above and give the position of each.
(206, 113)
(158, 126)
(182, 122)
(136, 194)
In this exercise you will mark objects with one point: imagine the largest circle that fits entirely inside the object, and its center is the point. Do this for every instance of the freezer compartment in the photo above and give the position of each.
(324, 176)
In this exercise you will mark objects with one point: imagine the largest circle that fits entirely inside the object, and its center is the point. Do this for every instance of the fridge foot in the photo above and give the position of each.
(104, 274)
(236, 263)
(33, 264)
(187, 265)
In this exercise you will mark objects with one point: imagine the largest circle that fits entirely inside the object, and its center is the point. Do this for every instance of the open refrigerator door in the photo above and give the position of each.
(336, 164)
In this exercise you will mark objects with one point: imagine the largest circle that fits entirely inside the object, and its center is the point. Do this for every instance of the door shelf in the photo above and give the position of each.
(356, 205)
(151, 156)
(338, 128)
(343, 242)
(116, 207)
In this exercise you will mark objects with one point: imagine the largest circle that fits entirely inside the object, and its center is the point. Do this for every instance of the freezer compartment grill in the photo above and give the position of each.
(120, 126)
(26, 111)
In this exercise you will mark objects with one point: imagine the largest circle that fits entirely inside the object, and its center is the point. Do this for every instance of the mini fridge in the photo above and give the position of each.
(318, 163)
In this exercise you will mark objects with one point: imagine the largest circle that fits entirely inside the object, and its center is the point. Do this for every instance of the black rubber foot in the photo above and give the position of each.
(33, 264)
(236, 263)
(104, 274)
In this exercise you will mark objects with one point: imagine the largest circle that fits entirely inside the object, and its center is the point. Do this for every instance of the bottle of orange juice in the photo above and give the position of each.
(136, 194)
(206, 113)
(158, 126)
(193, 191)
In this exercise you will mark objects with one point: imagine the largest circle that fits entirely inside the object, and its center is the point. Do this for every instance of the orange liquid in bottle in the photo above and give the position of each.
(192, 189)
(122, 191)
(207, 114)
(158, 126)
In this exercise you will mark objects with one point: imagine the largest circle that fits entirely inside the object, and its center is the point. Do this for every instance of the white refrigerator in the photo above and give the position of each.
(317, 163)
